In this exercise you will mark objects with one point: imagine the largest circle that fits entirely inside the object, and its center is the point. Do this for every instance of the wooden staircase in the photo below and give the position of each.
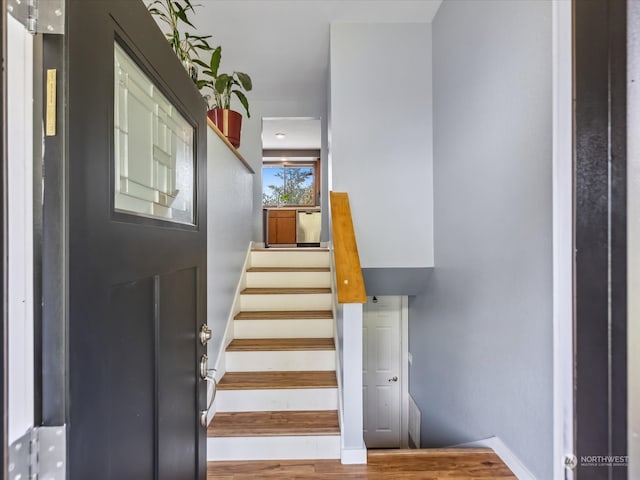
(278, 398)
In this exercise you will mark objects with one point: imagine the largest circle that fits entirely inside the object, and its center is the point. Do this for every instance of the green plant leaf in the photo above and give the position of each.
(222, 83)
(189, 6)
(202, 83)
(245, 81)
(243, 100)
(197, 61)
(181, 13)
(214, 64)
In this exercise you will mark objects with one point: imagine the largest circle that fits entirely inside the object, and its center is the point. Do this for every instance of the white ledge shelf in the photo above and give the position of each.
(233, 149)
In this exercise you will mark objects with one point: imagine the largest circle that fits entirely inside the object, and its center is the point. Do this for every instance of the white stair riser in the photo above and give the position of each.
(273, 448)
(304, 301)
(271, 258)
(277, 400)
(283, 328)
(280, 361)
(288, 279)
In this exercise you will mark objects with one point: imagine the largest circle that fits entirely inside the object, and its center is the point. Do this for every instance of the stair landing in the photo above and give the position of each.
(459, 463)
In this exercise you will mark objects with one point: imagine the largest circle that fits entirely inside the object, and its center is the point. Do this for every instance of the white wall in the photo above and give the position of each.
(20, 221)
(229, 216)
(381, 138)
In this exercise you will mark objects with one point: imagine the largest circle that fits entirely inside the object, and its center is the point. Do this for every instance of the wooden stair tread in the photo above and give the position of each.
(284, 291)
(291, 249)
(277, 380)
(280, 344)
(285, 315)
(287, 269)
(281, 423)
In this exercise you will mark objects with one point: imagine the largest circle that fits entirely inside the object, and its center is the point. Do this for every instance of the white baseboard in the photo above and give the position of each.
(506, 455)
(353, 456)
(220, 367)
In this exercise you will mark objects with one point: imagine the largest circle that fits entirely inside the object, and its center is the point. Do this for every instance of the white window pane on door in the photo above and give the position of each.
(154, 154)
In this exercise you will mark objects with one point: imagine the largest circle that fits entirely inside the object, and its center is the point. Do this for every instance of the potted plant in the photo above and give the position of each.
(223, 86)
(173, 13)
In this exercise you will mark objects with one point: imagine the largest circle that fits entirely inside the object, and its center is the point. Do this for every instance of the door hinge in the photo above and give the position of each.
(40, 454)
(39, 16)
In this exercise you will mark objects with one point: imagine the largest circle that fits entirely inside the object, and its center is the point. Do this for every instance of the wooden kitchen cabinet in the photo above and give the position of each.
(282, 226)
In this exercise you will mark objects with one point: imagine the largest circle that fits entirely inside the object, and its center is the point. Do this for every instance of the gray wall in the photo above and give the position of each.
(481, 334)
(380, 135)
(229, 217)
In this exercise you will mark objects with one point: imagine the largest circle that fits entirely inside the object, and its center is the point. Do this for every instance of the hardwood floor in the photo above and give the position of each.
(436, 464)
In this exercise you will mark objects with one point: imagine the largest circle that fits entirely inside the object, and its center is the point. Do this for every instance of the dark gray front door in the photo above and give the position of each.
(136, 249)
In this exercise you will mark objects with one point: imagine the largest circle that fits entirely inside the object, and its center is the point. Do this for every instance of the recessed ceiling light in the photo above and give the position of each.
(280, 135)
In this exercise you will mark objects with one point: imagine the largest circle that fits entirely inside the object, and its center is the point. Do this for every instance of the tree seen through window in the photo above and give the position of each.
(288, 185)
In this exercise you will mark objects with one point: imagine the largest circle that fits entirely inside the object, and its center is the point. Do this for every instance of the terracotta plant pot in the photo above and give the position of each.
(229, 122)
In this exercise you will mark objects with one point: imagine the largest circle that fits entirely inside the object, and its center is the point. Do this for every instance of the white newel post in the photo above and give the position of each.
(353, 447)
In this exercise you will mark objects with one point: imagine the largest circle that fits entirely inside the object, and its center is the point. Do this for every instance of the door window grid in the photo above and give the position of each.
(154, 154)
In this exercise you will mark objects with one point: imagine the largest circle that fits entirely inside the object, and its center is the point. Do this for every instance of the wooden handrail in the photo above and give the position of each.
(349, 281)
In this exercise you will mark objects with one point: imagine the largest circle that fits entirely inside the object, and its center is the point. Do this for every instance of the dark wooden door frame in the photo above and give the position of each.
(600, 236)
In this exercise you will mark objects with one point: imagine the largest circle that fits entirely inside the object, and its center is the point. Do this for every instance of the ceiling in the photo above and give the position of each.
(284, 44)
(300, 133)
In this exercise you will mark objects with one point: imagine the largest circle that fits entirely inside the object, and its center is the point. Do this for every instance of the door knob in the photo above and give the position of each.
(393, 379)
(204, 375)
(204, 414)
(205, 334)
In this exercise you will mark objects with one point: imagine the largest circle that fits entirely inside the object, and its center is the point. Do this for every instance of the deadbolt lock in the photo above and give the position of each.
(205, 334)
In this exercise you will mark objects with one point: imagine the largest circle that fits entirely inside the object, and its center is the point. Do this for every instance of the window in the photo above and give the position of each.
(154, 156)
(289, 184)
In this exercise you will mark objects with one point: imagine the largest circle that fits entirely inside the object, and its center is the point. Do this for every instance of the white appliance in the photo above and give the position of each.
(308, 226)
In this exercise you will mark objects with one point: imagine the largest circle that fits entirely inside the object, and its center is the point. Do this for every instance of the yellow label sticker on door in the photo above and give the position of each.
(50, 129)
